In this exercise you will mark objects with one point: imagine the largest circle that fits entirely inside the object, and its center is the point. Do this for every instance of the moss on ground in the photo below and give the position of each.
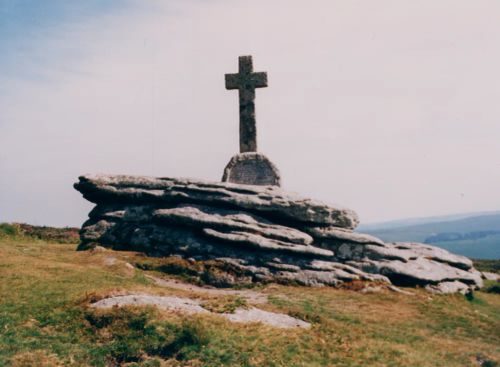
(44, 321)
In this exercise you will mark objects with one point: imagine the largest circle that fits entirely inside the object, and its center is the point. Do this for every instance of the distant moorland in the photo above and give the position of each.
(475, 236)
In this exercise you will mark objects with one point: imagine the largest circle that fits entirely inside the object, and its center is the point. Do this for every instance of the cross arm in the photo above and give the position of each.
(254, 80)
(258, 80)
(232, 81)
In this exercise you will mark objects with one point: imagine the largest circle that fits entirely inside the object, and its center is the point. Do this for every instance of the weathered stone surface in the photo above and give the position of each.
(346, 272)
(490, 276)
(448, 287)
(417, 271)
(409, 263)
(240, 234)
(402, 252)
(263, 243)
(193, 306)
(270, 318)
(266, 200)
(251, 169)
(434, 253)
(203, 216)
(336, 233)
(167, 303)
(96, 231)
(201, 233)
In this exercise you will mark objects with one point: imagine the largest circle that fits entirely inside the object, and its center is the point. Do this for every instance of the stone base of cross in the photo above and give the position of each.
(251, 168)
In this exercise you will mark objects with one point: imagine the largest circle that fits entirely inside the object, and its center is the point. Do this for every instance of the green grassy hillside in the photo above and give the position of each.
(45, 320)
(486, 247)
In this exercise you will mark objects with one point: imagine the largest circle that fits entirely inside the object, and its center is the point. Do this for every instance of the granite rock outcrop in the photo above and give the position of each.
(257, 234)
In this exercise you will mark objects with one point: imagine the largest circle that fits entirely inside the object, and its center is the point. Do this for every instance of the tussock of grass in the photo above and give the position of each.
(45, 320)
(492, 287)
(130, 334)
(226, 304)
(9, 230)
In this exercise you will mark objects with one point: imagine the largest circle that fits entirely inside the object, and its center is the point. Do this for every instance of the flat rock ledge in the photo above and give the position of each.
(245, 234)
(193, 306)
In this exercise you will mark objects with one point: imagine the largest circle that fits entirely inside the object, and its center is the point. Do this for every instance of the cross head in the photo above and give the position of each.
(246, 81)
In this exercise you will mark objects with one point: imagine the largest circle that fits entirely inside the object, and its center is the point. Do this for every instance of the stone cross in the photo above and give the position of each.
(246, 81)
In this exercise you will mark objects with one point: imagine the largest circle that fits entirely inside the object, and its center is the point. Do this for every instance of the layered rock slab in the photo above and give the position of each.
(270, 200)
(252, 234)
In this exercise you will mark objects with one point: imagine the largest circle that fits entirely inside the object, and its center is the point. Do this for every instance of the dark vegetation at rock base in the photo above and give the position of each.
(487, 265)
(45, 233)
(493, 288)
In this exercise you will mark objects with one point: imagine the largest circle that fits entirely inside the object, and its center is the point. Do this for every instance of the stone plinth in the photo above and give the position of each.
(251, 168)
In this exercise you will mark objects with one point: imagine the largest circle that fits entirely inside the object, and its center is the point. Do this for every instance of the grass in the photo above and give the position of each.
(44, 320)
(493, 266)
(27, 231)
(226, 304)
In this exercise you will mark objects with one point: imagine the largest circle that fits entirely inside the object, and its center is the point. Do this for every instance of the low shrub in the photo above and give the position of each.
(49, 234)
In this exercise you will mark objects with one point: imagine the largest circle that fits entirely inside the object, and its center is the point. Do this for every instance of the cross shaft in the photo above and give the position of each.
(246, 81)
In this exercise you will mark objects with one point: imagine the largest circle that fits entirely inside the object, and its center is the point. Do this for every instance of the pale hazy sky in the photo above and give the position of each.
(391, 108)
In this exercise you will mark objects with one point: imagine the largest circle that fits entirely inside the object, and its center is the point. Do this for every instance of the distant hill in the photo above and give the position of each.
(423, 220)
(472, 235)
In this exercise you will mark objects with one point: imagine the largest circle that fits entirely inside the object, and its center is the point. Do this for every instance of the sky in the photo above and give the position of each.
(388, 107)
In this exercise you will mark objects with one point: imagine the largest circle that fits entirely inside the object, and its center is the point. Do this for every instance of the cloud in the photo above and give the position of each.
(389, 107)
